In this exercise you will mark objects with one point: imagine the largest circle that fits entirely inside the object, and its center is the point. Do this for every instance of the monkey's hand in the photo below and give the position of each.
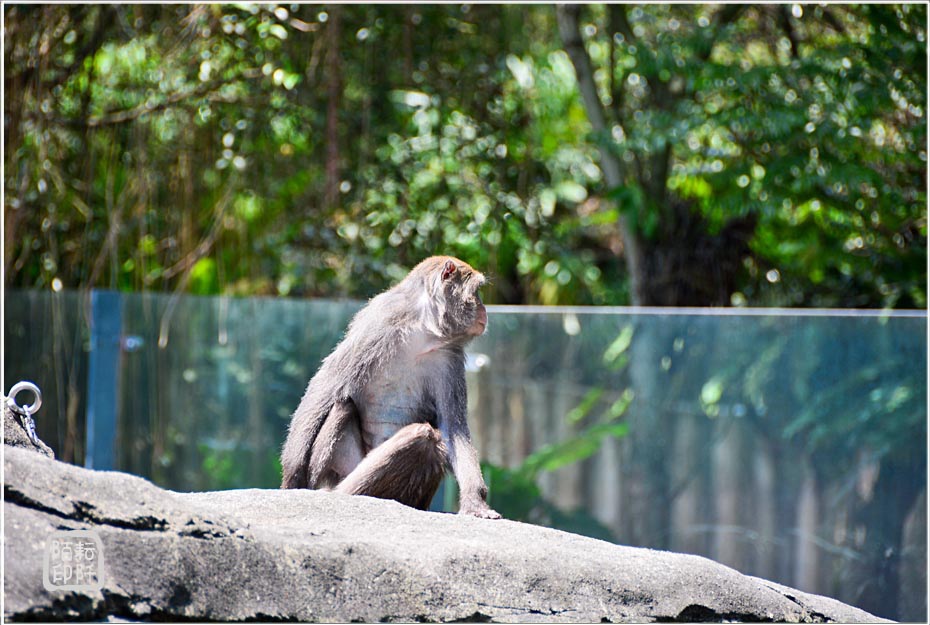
(480, 510)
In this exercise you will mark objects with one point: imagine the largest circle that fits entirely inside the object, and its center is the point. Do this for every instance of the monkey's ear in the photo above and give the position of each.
(448, 270)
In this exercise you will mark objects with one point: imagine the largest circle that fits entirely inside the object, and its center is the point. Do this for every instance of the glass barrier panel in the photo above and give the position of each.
(46, 341)
(788, 444)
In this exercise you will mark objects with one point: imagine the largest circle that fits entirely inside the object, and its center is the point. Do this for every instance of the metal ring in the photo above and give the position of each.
(19, 387)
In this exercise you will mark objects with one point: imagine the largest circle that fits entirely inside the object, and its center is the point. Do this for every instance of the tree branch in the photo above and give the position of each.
(784, 20)
(334, 93)
(186, 264)
(725, 16)
(127, 115)
(63, 73)
(567, 18)
(616, 19)
(571, 37)
(113, 118)
(619, 23)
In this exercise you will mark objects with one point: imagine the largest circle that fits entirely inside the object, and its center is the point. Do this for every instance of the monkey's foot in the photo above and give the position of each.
(481, 513)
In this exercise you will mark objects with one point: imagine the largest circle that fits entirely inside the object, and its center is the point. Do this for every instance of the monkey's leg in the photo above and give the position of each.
(408, 467)
(338, 448)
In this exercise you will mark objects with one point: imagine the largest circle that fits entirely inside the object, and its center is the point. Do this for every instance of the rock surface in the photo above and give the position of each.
(16, 434)
(311, 556)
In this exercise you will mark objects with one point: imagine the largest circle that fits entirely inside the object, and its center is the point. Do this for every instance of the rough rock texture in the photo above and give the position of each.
(15, 433)
(312, 556)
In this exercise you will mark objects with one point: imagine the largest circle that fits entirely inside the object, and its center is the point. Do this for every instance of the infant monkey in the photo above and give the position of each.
(385, 414)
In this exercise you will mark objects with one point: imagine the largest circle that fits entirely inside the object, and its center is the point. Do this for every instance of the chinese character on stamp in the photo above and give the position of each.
(73, 561)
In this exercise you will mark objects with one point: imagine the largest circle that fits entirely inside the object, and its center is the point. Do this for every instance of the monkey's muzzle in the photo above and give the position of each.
(481, 321)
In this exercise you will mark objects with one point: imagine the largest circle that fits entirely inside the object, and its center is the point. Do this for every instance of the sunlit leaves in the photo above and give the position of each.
(476, 145)
(203, 278)
(820, 136)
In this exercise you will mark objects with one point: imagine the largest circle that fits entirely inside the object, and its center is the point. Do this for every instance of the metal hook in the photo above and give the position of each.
(26, 412)
(18, 388)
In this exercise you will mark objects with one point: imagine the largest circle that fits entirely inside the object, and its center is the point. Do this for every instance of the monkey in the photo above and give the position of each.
(385, 414)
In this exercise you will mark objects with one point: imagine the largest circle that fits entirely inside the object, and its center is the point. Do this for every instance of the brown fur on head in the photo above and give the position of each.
(450, 303)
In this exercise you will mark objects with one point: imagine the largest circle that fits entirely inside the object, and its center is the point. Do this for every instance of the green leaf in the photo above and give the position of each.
(618, 347)
(712, 391)
(580, 411)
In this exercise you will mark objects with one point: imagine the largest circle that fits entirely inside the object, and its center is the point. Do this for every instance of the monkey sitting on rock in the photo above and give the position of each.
(385, 414)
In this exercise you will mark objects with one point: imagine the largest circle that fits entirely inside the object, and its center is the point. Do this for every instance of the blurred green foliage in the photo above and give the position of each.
(517, 497)
(515, 492)
(315, 150)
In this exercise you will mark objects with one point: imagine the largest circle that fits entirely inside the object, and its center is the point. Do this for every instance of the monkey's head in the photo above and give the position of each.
(450, 303)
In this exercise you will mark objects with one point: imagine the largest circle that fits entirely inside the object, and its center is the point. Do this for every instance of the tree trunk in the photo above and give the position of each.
(408, 45)
(882, 516)
(682, 264)
(686, 265)
(334, 97)
(567, 16)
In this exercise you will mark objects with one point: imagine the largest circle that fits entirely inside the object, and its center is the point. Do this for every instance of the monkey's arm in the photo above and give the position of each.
(463, 458)
(472, 490)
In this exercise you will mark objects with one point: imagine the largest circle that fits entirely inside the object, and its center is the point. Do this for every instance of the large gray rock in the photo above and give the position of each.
(313, 556)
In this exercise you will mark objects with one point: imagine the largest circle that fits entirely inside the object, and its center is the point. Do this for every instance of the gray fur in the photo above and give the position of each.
(401, 362)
